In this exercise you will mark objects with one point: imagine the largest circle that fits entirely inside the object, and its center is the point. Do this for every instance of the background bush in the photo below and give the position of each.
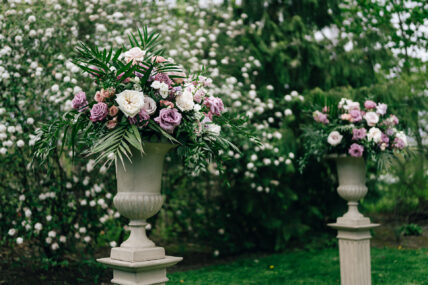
(269, 60)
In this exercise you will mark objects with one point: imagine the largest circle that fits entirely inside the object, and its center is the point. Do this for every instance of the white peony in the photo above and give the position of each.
(375, 135)
(135, 55)
(130, 102)
(213, 128)
(402, 136)
(184, 101)
(371, 118)
(334, 138)
(149, 105)
(163, 90)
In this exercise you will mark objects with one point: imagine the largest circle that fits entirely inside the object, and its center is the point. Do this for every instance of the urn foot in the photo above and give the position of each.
(140, 273)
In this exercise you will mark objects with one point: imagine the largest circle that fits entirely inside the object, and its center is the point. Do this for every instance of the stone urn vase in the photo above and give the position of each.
(353, 228)
(138, 260)
(351, 172)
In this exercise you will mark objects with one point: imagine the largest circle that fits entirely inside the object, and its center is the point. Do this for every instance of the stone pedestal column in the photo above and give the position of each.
(353, 228)
(138, 261)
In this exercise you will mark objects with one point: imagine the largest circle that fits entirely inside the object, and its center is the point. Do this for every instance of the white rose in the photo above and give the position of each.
(381, 109)
(375, 135)
(344, 103)
(135, 54)
(197, 107)
(149, 105)
(155, 84)
(163, 90)
(213, 128)
(130, 102)
(353, 106)
(371, 118)
(402, 136)
(184, 101)
(334, 138)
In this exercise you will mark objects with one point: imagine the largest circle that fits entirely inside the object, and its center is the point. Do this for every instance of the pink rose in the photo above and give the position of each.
(177, 80)
(112, 123)
(113, 111)
(346, 117)
(369, 104)
(98, 97)
(135, 55)
(158, 59)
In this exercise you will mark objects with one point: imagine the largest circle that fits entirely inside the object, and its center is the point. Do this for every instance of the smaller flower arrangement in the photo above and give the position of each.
(353, 129)
(141, 97)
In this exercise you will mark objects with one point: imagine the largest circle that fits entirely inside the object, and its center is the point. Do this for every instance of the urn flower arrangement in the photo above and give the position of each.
(353, 129)
(141, 97)
(144, 105)
(351, 133)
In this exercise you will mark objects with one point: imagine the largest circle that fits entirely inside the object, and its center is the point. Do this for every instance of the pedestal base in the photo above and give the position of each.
(354, 252)
(137, 254)
(140, 273)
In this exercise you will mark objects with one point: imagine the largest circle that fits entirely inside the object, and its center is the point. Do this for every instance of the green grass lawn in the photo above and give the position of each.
(389, 266)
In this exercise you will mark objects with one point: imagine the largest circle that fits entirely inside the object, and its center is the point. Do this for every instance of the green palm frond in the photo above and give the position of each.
(117, 144)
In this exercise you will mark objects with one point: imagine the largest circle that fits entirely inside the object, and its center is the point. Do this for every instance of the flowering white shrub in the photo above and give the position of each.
(255, 62)
(70, 203)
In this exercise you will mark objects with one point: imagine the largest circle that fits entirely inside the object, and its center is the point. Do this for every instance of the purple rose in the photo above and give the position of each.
(384, 138)
(356, 150)
(199, 95)
(390, 132)
(168, 119)
(99, 112)
(79, 101)
(215, 104)
(356, 115)
(399, 143)
(141, 117)
(381, 109)
(391, 121)
(320, 117)
(369, 104)
(359, 134)
(163, 78)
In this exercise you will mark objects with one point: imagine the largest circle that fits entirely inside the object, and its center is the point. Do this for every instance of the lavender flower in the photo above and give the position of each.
(168, 119)
(79, 101)
(356, 150)
(359, 134)
(99, 112)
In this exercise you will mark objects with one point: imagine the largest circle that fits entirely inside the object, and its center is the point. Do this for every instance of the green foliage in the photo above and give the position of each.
(389, 266)
(411, 230)
(256, 54)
